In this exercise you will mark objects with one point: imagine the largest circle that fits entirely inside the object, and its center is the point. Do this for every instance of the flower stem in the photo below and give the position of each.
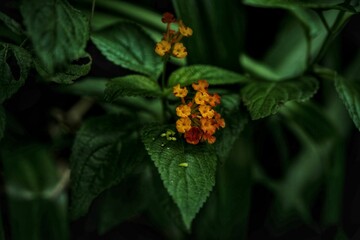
(163, 87)
(92, 12)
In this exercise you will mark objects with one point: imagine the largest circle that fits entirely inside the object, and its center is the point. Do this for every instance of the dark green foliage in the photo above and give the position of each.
(84, 124)
(58, 31)
(127, 45)
(189, 186)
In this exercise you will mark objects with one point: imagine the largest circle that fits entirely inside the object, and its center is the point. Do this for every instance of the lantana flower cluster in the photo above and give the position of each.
(198, 120)
(170, 43)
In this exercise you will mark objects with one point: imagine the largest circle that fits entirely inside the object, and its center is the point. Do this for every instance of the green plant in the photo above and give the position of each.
(116, 119)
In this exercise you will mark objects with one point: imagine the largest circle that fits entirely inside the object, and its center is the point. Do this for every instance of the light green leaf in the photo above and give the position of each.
(11, 80)
(105, 150)
(90, 86)
(189, 186)
(58, 32)
(294, 3)
(214, 75)
(2, 122)
(265, 98)
(70, 72)
(131, 85)
(349, 92)
(258, 69)
(126, 44)
(14, 26)
(235, 120)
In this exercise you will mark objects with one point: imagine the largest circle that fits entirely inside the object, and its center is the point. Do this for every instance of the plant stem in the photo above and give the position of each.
(92, 12)
(330, 35)
(163, 87)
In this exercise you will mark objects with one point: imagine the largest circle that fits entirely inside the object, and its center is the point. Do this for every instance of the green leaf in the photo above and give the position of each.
(219, 28)
(2, 122)
(214, 75)
(294, 3)
(258, 69)
(265, 98)
(127, 45)
(349, 92)
(58, 32)
(298, 44)
(89, 86)
(189, 186)
(235, 120)
(105, 150)
(12, 60)
(11, 24)
(131, 85)
(70, 72)
(309, 117)
(35, 193)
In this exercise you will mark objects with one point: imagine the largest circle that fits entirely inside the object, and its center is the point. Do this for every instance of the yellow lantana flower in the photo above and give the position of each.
(183, 124)
(206, 111)
(162, 47)
(184, 30)
(180, 92)
(183, 111)
(179, 50)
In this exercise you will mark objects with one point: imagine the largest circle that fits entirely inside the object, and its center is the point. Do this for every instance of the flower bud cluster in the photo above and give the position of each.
(170, 43)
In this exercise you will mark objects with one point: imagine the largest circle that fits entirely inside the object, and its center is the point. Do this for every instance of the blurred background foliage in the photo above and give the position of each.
(293, 175)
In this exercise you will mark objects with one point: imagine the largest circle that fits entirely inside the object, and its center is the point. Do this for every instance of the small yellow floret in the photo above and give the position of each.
(183, 124)
(201, 98)
(184, 30)
(201, 85)
(183, 111)
(179, 50)
(180, 92)
(162, 47)
(206, 111)
(207, 126)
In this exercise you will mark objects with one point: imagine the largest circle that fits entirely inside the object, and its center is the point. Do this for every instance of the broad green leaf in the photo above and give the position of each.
(11, 24)
(131, 85)
(105, 150)
(349, 92)
(235, 120)
(15, 63)
(219, 28)
(123, 202)
(309, 117)
(126, 44)
(214, 75)
(90, 86)
(2, 122)
(70, 72)
(35, 193)
(258, 69)
(189, 186)
(58, 32)
(294, 3)
(265, 98)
